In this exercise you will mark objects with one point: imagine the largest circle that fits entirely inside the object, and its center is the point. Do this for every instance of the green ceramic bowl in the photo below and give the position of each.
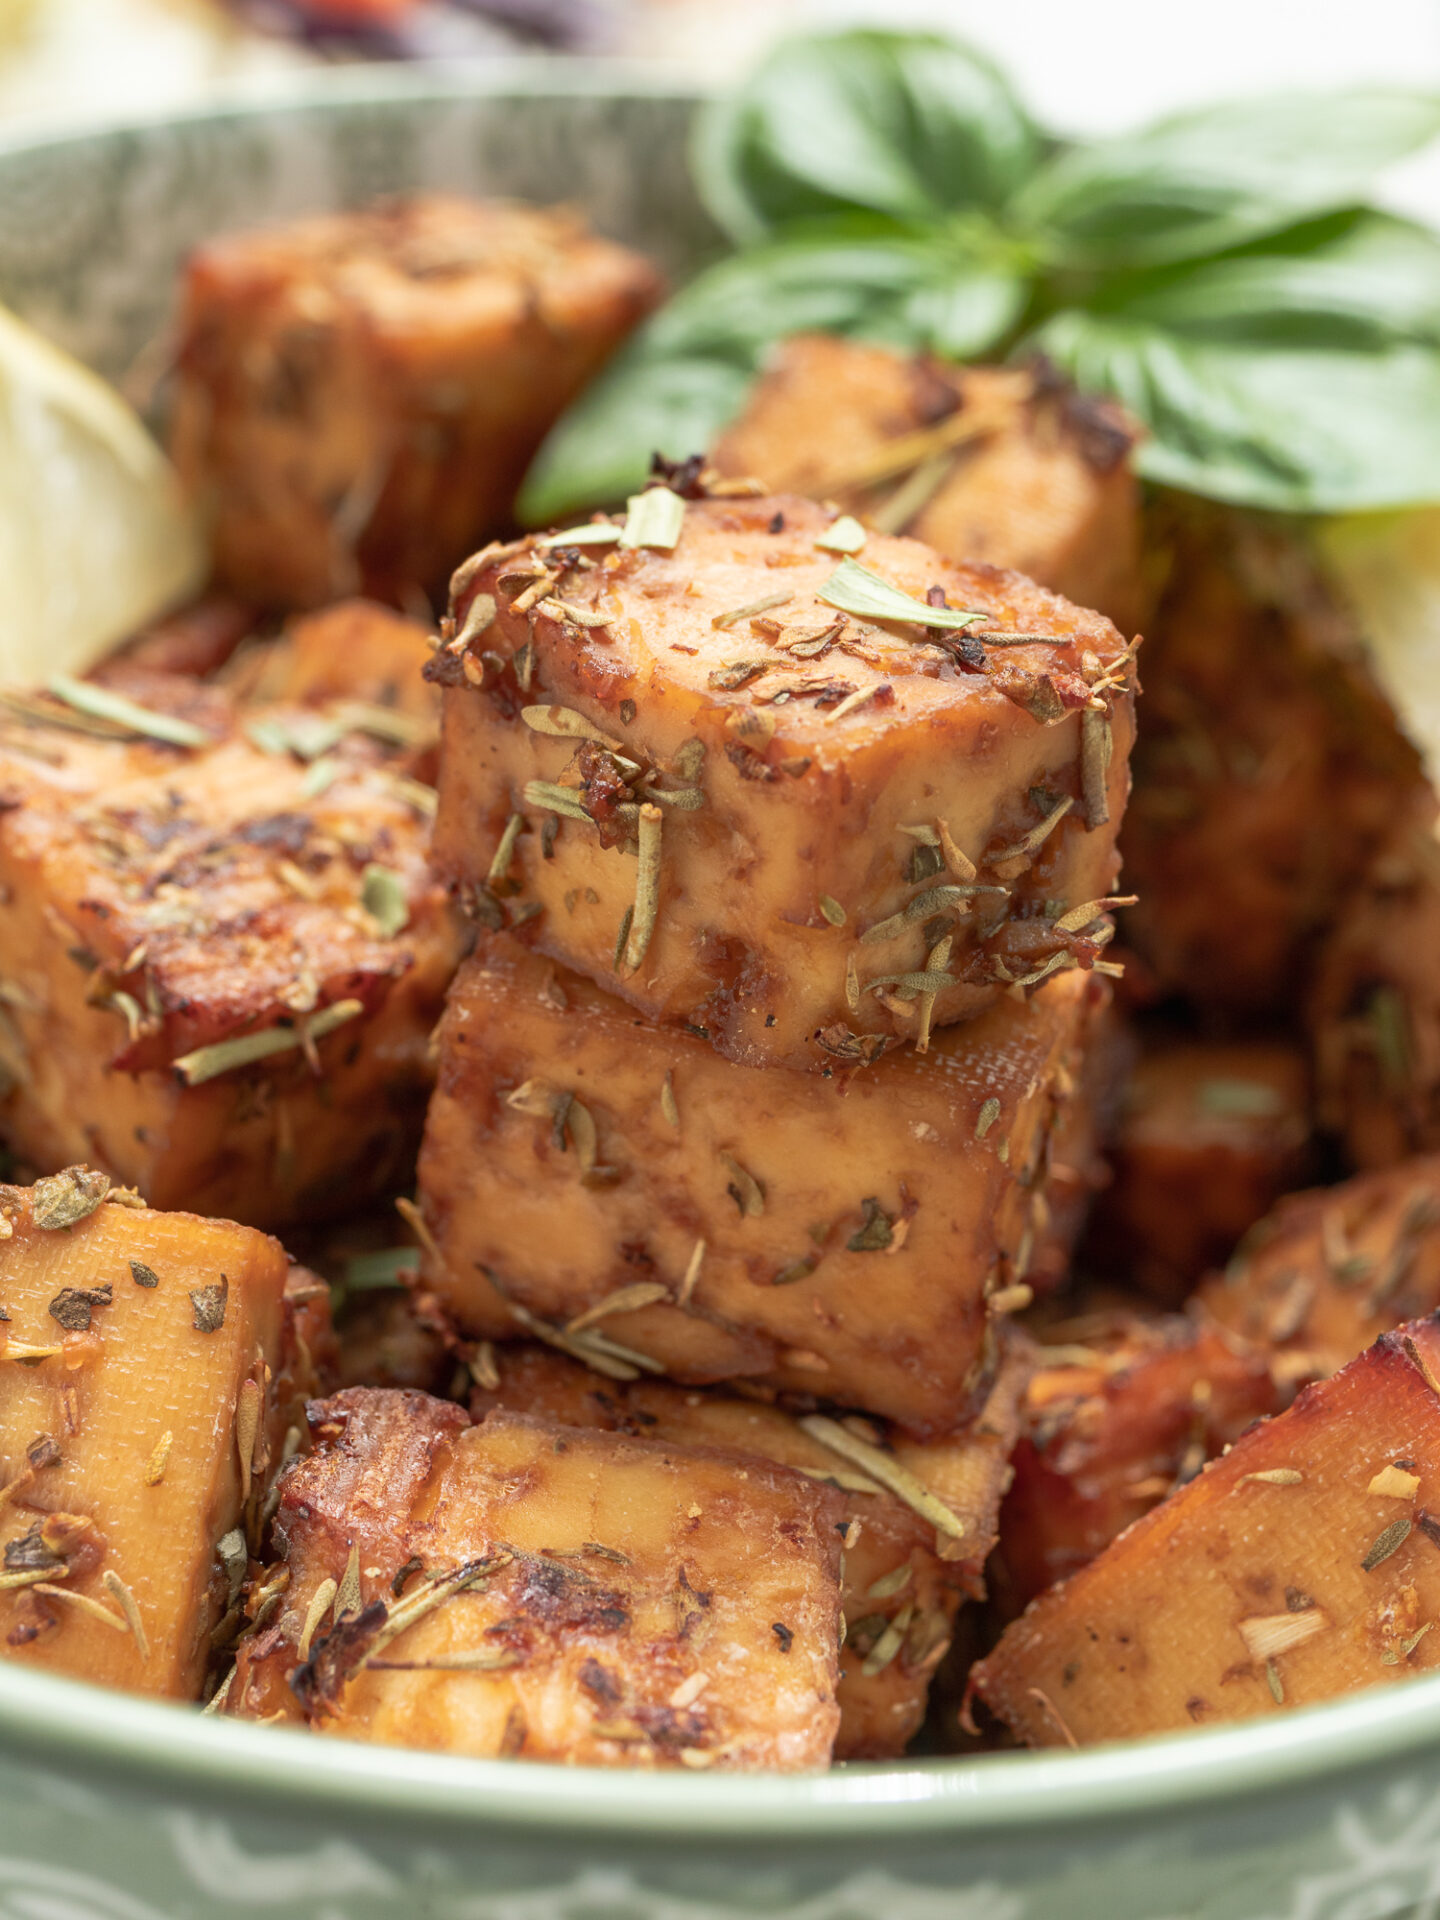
(116, 1809)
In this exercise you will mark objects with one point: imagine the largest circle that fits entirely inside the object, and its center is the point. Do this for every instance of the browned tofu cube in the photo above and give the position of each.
(137, 1417)
(356, 651)
(524, 1589)
(357, 659)
(644, 775)
(1124, 1405)
(1078, 1167)
(1006, 465)
(1271, 769)
(839, 1236)
(1300, 1565)
(1374, 1007)
(902, 1580)
(198, 639)
(1329, 1271)
(221, 959)
(358, 395)
(1209, 1137)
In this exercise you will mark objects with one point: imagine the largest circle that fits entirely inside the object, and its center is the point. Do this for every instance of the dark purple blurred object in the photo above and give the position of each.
(431, 29)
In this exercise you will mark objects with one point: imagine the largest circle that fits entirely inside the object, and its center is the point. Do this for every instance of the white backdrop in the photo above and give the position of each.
(1084, 65)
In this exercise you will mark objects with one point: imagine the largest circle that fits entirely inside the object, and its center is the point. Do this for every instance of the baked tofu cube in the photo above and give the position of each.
(536, 1591)
(1006, 465)
(136, 1422)
(1300, 1565)
(1329, 1271)
(359, 394)
(1209, 1138)
(1374, 1005)
(1271, 771)
(1078, 1167)
(221, 960)
(1123, 1406)
(644, 776)
(360, 659)
(903, 1579)
(197, 639)
(358, 651)
(841, 1236)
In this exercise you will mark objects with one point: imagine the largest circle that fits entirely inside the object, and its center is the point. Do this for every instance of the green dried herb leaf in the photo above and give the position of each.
(685, 799)
(924, 863)
(205, 1063)
(595, 533)
(556, 799)
(105, 705)
(855, 589)
(1097, 743)
(906, 986)
(641, 1293)
(646, 909)
(989, 1113)
(887, 1470)
(60, 1200)
(940, 899)
(876, 1233)
(505, 850)
(735, 615)
(1038, 834)
(889, 1584)
(689, 761)
(320, 775)
(1390, 1541)
(796, 1270)
(565, 723)
(832, 910)
(845, 535)
(654, 518)
(744, 1189)
(383, 896)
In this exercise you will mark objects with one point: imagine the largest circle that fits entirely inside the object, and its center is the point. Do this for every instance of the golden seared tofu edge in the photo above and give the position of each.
(524, 1589)
(691, 775)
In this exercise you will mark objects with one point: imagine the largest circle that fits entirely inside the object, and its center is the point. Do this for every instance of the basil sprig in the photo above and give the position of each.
(1219, 272)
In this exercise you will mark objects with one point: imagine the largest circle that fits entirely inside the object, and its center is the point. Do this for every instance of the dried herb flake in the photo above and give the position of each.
(62, 1199)
(1390, 1541)
(72, 1307)
(207, 1306)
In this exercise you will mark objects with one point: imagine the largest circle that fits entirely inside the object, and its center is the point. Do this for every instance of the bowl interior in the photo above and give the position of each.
(92, 229)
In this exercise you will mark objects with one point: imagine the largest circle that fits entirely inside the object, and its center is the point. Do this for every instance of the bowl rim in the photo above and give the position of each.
(176, 1747)
(330, 89)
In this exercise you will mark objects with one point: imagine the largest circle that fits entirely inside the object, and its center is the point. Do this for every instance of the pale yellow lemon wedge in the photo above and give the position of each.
(1388, 564)
(95, 537)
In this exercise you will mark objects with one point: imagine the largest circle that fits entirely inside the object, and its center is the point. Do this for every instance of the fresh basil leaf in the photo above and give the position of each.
(599, 452)
(1293, 430)
(1209, 180)
(687, 373)
(912, 125)
(1351, 281)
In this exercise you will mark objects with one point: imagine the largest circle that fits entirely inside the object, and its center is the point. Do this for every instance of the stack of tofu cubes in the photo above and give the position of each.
(789, 851)
(792, 925)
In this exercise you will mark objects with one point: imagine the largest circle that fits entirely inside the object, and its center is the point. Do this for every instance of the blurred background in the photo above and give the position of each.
(1083, 68)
